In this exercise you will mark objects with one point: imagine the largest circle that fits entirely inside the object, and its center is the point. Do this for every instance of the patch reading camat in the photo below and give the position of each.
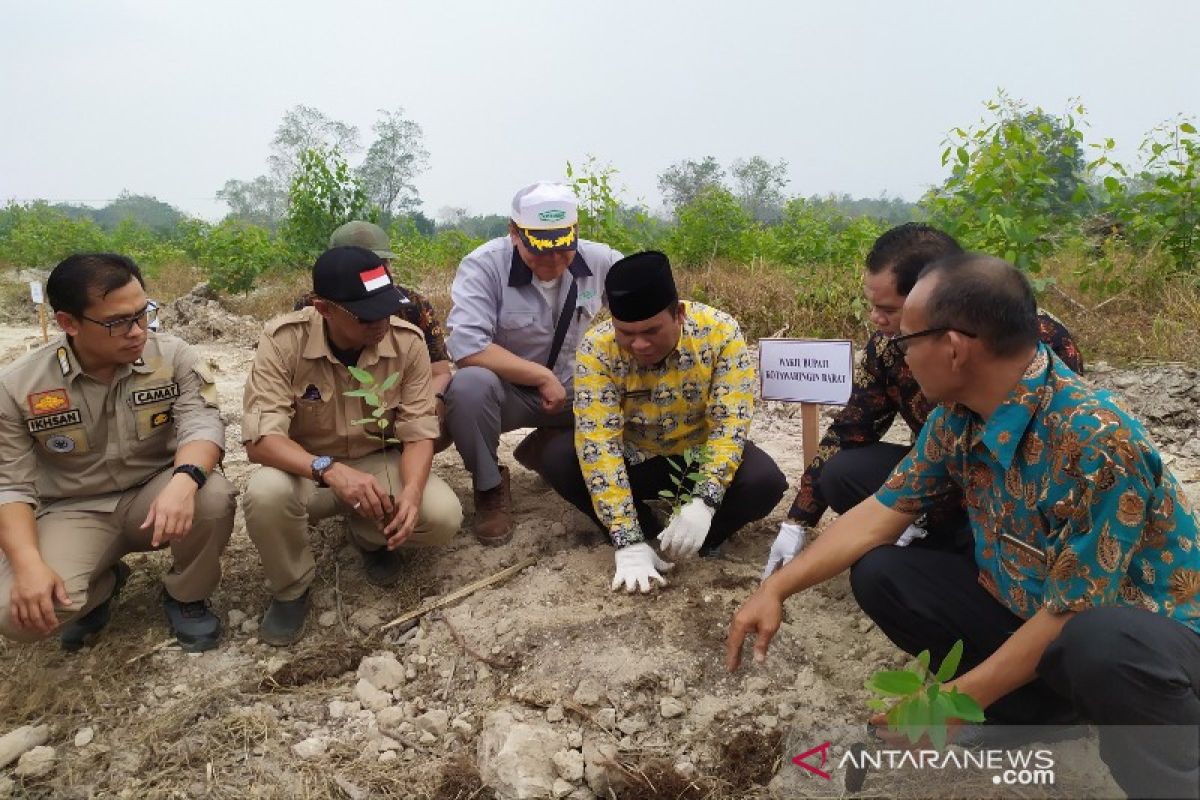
(52, 421)
(155, 394)
(48, 402)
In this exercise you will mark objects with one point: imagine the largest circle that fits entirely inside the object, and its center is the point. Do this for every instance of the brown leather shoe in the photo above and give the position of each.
(493, 517)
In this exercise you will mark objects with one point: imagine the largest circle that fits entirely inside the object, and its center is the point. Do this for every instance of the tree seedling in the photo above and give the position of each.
(924, 705)
(372, 396)
(685, 471)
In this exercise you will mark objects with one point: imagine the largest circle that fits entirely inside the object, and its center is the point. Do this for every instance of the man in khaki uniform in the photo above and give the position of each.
(298, 423)
(108, 437)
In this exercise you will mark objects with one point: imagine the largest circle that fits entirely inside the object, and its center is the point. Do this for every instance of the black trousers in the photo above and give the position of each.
(1110, 666)
(757, 487)
(854, 474)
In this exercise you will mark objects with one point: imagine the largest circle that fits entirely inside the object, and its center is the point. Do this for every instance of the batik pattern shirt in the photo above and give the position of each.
(1068, 499)
(701, 394)
(883, 387)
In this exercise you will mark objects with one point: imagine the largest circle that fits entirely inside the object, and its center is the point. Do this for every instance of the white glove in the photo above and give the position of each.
(787, 545)
(637, 565)
(687, 530)
(910, 533)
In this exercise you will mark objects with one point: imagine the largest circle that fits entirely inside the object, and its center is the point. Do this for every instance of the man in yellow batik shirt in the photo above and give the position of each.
(663, 378)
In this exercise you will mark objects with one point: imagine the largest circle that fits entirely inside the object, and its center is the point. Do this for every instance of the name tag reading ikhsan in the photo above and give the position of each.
(806, 370)
(144, 397)
(52, 421)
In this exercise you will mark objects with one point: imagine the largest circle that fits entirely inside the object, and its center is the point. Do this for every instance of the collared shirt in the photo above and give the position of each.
(69, 442)
(296, 385)
(1069, 501)
(701, 394)
(883, 387)
(495, 302)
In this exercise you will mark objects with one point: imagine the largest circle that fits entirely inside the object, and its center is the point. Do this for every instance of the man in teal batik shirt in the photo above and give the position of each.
(1082, 601)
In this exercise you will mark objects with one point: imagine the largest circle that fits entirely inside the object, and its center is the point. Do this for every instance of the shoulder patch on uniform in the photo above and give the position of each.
(64, 361)
(48, 402)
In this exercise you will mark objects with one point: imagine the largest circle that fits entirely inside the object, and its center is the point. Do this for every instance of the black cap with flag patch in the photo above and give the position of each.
(357, 280)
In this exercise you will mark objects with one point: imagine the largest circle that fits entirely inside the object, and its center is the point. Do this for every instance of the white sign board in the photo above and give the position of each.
(35, 292)
(806, 370)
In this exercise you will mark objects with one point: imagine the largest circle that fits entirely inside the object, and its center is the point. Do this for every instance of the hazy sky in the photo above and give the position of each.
(170, 98)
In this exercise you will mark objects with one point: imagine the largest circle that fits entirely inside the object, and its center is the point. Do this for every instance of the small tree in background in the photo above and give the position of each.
(324, 195)
(684, 181)
(1016, 182)
(714, 225)
(759, 186)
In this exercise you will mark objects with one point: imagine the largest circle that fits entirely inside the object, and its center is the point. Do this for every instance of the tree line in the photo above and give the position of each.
(1021, 182)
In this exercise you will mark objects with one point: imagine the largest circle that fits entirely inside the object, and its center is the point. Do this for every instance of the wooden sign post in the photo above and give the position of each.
(39, 300)
(812, 372)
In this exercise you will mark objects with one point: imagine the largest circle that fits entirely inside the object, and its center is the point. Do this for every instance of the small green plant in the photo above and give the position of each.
(372, 396)
(685, 471)
(924, 705)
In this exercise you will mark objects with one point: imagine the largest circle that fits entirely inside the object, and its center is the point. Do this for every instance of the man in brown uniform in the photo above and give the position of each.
(298, 424)
(108, 437)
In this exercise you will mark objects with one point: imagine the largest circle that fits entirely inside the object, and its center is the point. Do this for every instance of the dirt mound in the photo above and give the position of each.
(199, 317)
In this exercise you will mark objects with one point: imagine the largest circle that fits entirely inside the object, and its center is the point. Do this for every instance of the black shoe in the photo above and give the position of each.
(194, 624)
(83, 630)
(383, 566)
(283, 624)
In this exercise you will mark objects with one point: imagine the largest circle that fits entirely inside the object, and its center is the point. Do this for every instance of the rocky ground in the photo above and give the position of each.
(545, 685)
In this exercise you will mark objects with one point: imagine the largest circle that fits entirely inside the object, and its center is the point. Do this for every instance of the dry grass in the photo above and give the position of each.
(273, 294)
(173, 280)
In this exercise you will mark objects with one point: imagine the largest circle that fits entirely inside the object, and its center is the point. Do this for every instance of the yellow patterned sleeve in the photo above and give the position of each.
(600, 436)
(730, 409)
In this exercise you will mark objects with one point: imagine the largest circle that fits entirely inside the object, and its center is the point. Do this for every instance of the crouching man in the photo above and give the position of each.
(108, 437)
(299, 424)
(661, 378)
(1082, 598)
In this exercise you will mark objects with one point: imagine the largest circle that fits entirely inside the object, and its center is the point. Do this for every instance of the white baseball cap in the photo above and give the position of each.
(545, 214)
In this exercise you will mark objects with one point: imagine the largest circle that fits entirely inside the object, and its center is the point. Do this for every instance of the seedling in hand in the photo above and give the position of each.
(372, 396)
(924, 706)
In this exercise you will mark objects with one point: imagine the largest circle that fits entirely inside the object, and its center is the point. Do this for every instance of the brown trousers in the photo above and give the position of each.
(82, 547)
(278, 507)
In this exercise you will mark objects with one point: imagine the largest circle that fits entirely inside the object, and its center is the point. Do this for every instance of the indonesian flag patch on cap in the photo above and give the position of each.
(375, 278)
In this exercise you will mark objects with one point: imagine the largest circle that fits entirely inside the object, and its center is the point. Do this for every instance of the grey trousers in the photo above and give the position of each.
(480, 405)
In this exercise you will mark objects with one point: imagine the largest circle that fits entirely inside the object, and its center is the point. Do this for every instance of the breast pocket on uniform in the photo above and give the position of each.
(153, 409)
(516, 320)
(315, 409)
(60, 434)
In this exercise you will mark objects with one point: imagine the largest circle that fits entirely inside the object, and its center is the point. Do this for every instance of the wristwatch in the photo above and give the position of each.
(320, 465)
(194, 472)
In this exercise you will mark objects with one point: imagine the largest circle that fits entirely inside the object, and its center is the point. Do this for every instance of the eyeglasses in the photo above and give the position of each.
(900, 343)
(349, 313)
(122, 327)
